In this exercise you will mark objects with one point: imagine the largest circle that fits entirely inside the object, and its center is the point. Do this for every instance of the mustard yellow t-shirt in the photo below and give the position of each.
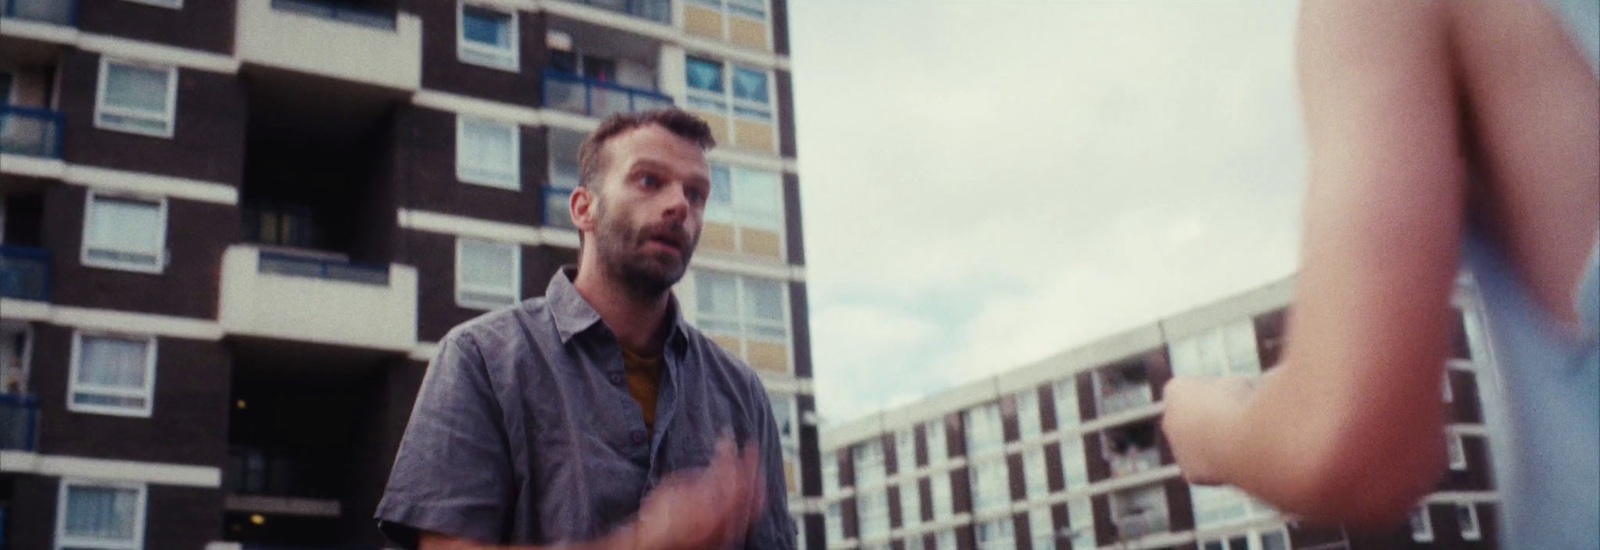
(644, 383)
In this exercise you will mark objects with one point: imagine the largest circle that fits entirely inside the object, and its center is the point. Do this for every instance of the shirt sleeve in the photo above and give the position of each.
(775, 529)
(452, 474)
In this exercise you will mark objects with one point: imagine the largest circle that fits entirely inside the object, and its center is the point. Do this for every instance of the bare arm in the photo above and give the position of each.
(1351, 429)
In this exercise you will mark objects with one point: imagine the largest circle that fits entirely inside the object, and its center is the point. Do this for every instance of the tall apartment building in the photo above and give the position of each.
(1067, 453)
(234, 231)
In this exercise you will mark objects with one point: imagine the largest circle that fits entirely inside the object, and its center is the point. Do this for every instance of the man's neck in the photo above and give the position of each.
(637, 321)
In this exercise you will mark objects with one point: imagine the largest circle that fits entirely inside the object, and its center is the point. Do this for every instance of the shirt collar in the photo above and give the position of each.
(573, 314)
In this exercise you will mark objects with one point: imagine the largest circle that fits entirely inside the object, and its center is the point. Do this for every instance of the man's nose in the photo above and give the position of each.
(677, 202)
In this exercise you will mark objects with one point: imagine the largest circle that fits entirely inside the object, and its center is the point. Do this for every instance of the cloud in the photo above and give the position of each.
(986, 183)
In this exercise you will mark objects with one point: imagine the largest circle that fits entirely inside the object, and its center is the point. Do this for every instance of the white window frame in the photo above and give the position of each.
(148, 391)
(728, 102)
(791, 445)
(937, 454)
(992, 434)
(516, 278)
(512, 177)
(169, 4)
(873, 522)
(1030, 422)
(948, 510)
(64, 541)
(170, 117)
(866, 457)
(833, 523)
(88, 220)
(737, 218)
(1078, 462)
(1446, 392)
(910, 502)
(998, 492)
(1470, 530)
(1457, 451)
(1421, 531)
(999, 527)
(482, 55)
(905, 451)
(746, 320)
(1065, 392)
(1035, 473)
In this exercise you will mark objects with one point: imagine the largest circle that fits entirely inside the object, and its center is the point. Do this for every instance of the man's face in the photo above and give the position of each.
(647, 213)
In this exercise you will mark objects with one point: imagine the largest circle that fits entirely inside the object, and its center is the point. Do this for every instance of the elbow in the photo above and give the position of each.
(1364, 485)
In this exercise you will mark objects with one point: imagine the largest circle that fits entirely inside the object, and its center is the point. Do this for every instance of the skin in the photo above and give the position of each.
(1397, 97)
(640, 224)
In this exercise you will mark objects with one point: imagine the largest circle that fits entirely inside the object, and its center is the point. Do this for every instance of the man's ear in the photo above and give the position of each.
(581, 207)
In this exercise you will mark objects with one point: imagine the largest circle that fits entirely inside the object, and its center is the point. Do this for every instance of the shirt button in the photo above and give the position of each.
(637, 436)
(616, 379)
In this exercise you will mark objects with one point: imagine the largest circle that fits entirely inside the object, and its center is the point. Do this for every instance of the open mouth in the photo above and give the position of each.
(669, 241)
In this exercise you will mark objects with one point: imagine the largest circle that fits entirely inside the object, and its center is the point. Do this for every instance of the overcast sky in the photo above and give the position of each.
(986, 183)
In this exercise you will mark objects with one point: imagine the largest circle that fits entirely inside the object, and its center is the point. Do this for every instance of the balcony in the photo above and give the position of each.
(1134, 461)
(1125, 398)
(314, 297)
(659, 11)
(382, 48)
(19, 419)
(24, 273)
(54, 12)
(1142, 524)
(583, 96)
(30, 131)
(1122, 387)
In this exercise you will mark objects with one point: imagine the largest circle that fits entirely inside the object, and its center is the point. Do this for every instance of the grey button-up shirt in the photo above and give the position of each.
(524, 431)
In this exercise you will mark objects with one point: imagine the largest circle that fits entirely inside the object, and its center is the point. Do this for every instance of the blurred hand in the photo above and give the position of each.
(1200, 414)
(704, 509)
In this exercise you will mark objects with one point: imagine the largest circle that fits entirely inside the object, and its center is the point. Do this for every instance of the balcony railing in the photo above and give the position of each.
(284, 263)
(56, 12)
(24, 273)
(579, 95)
(659, 11)
(1125, 398)
(30, 131)
(1132, 526)
(19, 418)
(337, 12)
(1138, 460)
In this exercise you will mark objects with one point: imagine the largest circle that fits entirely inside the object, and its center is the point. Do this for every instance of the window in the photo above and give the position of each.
(488, 153)
(1277, 539)
(991, 488)
(984, 432)
(1421, 524)
(1221, 505)
(136, 98)
(731, 90)
(1222, 351)
(1074, 463)
(996, 534)
(784, 415)
(943, 506)
(563, 176)
(1080, 523)
(835, 524)
(1041, 528)
(1467, 516)
(749, 204)
(938, 450)
(910, 503)
(1458, 454)
(488, 273)
(112, 374)
(1033, 473)
(830, 474)
(945, 540)
(124, 233)
(753, 312)
(905, 451)
(1028, 422)
(488, 37)
(1066, 396)
(873, 509)
(754, 9)
(868, 463)
(100, 516)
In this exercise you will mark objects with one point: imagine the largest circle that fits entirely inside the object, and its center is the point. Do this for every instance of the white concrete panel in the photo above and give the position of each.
(317, 309)
(287, 40)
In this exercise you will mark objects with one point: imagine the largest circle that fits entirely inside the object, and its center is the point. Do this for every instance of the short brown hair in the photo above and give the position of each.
(681, 123)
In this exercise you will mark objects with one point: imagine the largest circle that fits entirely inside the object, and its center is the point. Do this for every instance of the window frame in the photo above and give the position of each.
(464, 173)
(62, 540)
(84, 244)
(1003, 527)
(740, 218)
(992, 434)
(169, 117)
(1035, 473)
(879, 520)
(1030, 421)
(509, 59)
(1457, 450)
(516, 278)
(862, 461)
(1421, 531)
(1476, 530)
(727, 104)
(910, 493)
(998, 471)
(748, 323)
(147, 391)
(939, 454)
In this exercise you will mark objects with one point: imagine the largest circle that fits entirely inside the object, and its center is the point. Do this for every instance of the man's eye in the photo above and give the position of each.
(649, 181)
(696, 196)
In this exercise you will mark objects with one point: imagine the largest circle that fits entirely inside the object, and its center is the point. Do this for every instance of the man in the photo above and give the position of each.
(595, 417)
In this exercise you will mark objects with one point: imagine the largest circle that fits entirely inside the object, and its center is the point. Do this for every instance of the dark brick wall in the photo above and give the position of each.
(886, 442)
(849, 521)
(208, 132)
(197, 234)
(961, 490)
(1180, 508)
(189, 418)
(1464, 406)
(1010, 424)
(816, 531)
(794, 236)
(1272, 331)
(1086, 401)
(1105, 532)
(1021, 533)
(1047, 408)
(1158, 370)
(1446, 532)
(810, 455)
(800, 326)
(1054, 479)
(955, 436)
(925, 494)
(786, 129)
(175, 517)
(434, 256)
(1019, 489)
(780, 27)
(1098, 468)
(847, 468)
(427, 172)
(1479, 473)
(442, 70)
(201, 24)
(894, 506)
(921, 444)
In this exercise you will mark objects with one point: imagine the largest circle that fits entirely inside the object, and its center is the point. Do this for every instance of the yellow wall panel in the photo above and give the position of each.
(760, 242)
(702, 21)
(768, 357)
(718, 124)
(717, 236)
(789, 477)
(748, 33)
(730, 343)
(749, 134)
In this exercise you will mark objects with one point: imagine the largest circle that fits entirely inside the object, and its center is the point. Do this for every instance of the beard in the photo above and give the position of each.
(645, 274)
